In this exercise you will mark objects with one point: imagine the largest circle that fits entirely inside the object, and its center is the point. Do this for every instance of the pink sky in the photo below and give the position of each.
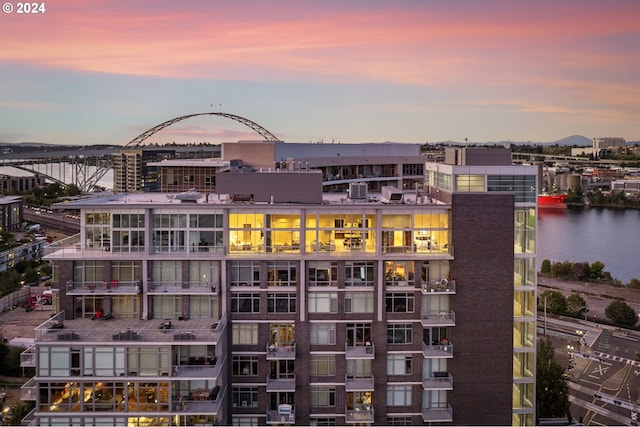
(501, 70)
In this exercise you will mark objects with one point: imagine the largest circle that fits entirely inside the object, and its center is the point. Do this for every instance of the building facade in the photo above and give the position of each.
(191, 309)
(10, 213)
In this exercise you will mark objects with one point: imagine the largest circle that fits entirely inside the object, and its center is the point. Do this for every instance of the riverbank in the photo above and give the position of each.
(596, 295)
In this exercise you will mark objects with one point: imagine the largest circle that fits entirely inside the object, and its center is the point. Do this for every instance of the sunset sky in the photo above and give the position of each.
(103, 72)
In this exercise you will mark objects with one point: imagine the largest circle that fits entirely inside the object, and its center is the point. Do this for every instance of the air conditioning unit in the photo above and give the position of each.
(358, 191)
(391, 194)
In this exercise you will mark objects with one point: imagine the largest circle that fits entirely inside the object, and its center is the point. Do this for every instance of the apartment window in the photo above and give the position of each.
(245, 303)
(166, 273)
(244, 421)
(322, 334)
(322, 421)
(322, 273)
(359, 273)
(282, 273)
(400, 302)
(167, 306)
(281, 303)
(203, 307)
(399, 273)
(246, 366)
(88, 273)
(398, 364)
(399, 421)
(128, 233)
(243, 334)
(244, 273)
(205, 220)
(399, 395)
(126, 271)
(413, 169)
(323, 365)
(358, 368)
(358, 302)
(323, 396)
(323, 302)
(244, 397)
(470, 183)
(125, 306)
(524, 186)
(399, 333)
(205, 232)
(204, 274)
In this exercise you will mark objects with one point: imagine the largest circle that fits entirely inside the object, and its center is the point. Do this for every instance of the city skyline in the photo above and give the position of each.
(102, 73)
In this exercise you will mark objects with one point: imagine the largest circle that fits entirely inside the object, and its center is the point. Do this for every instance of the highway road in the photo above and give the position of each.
(55, 220)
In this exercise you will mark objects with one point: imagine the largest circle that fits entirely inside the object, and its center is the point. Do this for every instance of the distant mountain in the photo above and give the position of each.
(578, 140)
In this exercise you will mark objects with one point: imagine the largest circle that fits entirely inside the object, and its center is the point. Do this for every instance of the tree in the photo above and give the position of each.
(597, 270)
(581, 271)
(621, 313)
(552, 390)
(576, 305)
(634, 283)
(545, 267)
(556, 302)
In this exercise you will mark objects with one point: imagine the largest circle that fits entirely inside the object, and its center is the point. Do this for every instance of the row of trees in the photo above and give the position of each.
(618, 312)
(582, 271)
(49, 194)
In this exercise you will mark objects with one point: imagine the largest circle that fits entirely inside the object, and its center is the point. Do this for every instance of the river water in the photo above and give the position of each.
(611, 236)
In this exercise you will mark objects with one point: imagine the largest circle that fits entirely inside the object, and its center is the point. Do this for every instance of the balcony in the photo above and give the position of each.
(437, 350)
(200, 331)
(436, 287)
(118, 287)
(200, 401)
(28, 358)
(182, 288)
(285, 414)
(438, 413)
(358, 384)
(281, 351)
(29, 390)
(205, 367)
(438, 318)
(360, 414)
(281, 384)
(29, 419)
(438, 381)
(360, 351)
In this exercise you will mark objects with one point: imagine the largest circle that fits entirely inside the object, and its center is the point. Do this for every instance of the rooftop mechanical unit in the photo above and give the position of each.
(358, 191)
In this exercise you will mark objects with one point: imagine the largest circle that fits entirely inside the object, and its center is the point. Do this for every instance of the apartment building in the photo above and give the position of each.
(296, 307)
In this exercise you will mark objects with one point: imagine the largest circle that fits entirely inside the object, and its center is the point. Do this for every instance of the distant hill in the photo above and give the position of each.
(578, 140)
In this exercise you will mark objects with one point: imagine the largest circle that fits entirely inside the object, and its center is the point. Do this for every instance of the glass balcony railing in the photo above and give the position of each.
(28, 357)
(355, 384)
(281, 351)
(438, 318)
(29, 390)
(284, 414)
(437, 413)
(359, 414)
(443, 286)
(360, 351)
(281, 384)
(437, 350)
(438, 381)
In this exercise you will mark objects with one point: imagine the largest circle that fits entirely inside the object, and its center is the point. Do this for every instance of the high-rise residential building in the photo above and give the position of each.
(271, 302)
